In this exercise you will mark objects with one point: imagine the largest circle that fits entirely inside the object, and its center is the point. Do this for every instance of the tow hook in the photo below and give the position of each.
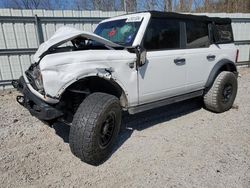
(15, 83)
(20, 99)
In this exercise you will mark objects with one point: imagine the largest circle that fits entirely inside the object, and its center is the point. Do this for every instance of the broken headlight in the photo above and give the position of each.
(35, 78)
(38, 79)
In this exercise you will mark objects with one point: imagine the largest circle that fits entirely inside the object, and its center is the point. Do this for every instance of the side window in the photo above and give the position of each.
(162, 34)
(224, 33)
(197, 34)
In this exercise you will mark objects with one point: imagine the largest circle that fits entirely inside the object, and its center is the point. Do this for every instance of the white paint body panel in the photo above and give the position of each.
(161, 78)
(62, 69)
(199, 67)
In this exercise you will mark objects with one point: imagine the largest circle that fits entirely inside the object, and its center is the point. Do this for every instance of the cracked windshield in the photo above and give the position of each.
(122, 32)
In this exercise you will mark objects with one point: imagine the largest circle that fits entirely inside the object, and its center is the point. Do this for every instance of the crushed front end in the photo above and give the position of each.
(36, 106)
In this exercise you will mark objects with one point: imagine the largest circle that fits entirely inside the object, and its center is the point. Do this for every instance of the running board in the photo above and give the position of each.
(164, 102)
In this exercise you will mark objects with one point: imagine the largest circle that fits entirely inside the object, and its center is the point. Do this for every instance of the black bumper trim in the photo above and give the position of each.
(36, 106)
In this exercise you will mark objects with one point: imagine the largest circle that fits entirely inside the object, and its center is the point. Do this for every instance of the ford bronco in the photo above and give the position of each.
(131, 63)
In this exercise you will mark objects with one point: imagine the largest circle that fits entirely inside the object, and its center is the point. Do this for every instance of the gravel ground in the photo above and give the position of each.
(181, 145)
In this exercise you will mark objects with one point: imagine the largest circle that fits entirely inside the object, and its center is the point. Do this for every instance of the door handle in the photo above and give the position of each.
(131, 65)
(179, 61)
(211, 57)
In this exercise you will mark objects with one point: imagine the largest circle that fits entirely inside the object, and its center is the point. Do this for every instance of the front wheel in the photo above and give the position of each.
(95, 127)
(220, 97)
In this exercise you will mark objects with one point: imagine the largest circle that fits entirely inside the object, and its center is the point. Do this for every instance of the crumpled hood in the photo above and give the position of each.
(65, 34)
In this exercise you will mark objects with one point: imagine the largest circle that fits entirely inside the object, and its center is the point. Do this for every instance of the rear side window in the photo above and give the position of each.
(223, 33)
(162, 34)
(197, 34)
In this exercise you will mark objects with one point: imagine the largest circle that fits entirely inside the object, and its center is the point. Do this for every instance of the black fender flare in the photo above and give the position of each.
(117, 89)
(218, 68)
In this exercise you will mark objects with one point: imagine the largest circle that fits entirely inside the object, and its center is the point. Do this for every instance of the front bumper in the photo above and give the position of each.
(36, 106)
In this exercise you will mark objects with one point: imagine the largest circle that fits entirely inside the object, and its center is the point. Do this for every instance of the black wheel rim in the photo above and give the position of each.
(107, 130)
(227, 93)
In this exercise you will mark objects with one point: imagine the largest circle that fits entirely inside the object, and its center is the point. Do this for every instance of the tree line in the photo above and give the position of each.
(229, 6)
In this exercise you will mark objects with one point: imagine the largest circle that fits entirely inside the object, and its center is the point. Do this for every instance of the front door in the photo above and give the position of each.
(164, 73)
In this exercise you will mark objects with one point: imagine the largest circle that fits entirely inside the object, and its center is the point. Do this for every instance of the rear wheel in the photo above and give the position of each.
(95, 127)
(220, 97)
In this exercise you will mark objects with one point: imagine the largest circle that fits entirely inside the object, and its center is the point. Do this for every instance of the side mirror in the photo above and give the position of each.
(141, 56)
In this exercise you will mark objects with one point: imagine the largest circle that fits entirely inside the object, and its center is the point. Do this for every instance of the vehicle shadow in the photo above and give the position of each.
(62, 130)
(142, 120)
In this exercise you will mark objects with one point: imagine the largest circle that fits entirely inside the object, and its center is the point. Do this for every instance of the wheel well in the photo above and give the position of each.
(77, 92)
(223, 65)
(227, 67)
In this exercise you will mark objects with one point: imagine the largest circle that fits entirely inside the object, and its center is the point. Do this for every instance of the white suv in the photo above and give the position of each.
(132, 63)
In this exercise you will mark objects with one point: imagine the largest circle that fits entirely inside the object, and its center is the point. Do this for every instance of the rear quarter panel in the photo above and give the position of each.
(221, 51)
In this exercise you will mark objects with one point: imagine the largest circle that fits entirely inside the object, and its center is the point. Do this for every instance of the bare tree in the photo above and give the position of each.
(36, 3)
(33, 4)
(181, 5)
(27, 4)
(106, 5)
(130, 5)
(150, 4)
(190, 6)
(19, 4)
(168, 5)
(97, 4)
(207, 5)
(83, 4)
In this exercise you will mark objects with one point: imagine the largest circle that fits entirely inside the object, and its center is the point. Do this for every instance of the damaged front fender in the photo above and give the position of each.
(105, 73)
(62, 69)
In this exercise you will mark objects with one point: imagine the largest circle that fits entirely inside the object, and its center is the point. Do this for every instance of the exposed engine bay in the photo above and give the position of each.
(80, 43)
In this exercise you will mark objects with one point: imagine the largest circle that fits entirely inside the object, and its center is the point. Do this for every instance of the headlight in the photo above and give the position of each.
(38, 79)
(35, 78)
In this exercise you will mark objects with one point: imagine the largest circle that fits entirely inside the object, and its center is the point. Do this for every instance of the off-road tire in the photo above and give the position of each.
(87, 125)
(214, 99)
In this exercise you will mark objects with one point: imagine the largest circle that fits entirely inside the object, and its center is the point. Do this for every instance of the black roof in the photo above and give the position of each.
(158, 14)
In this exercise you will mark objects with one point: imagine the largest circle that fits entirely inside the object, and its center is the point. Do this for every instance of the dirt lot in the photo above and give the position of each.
(181, 145)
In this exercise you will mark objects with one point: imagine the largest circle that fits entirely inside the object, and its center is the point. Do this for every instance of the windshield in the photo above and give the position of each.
(122, 32)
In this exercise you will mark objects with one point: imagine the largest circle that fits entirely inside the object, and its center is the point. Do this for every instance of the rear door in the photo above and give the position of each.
(200, 56)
